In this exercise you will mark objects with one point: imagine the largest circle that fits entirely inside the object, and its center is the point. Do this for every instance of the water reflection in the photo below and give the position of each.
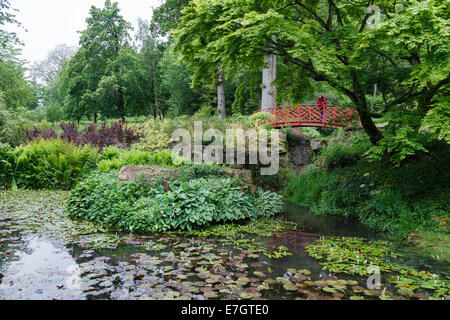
(327, 225)
(38, 271)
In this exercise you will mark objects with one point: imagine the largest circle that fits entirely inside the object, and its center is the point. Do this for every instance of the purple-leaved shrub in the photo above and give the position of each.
(118, 134)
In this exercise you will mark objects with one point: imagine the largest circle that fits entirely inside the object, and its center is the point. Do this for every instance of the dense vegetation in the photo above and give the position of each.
(400, 201)
(196, 199)
(169, 66)
(389, 62)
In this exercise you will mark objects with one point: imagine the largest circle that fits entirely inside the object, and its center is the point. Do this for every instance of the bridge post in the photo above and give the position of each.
(334, 113)
(276, 116)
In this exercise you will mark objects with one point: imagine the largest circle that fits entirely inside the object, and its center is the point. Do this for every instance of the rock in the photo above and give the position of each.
(132, 174)
(316, 145)
(299, 151)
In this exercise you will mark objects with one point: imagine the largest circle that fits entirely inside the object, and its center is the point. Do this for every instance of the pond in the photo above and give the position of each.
(46, 256)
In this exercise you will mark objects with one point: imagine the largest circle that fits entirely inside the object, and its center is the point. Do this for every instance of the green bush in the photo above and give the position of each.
(306, 188)
(345, 149)
(11, 127)
(52, 164)
(113, 158)
(6, 166)
(101, 199)
(392, 200)
(260, 120)
(148, 207)
(311, 133)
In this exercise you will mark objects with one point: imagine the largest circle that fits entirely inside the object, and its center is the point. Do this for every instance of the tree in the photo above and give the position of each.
(166, 17)
(15, 91)
(94, 79)
(191, 38)
(151, 52)
(7, 16)
(349, 45)
(122, 85)
(47, 70)
(413, 43)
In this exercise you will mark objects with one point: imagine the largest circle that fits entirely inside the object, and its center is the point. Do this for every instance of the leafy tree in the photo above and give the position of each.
(104, 76)
(151, 52)
(7, 16)
(179, 97)
(349, 45)
(122, 86)
(15, 91)
(194, 32)
(414, 43)
(167, 16)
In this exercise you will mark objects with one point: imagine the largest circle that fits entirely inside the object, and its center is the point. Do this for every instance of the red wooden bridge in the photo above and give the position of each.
(312, 115)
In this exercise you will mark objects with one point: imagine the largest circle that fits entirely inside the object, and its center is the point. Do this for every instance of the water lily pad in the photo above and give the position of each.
(211, 295)
(405, 292)
(290, 286)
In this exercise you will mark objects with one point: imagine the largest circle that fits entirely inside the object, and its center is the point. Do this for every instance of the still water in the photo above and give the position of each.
(34, 266)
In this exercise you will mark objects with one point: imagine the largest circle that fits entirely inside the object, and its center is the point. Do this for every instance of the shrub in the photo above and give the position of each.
(37, 133)
(260, 120)
(155, 136)
(148, 207)
(11, 131)
(101, 199)
(393, 200)
(110, 153)
(267, 203)
(206, 110)
(345, 150)
(118, 134)
(6, 166)
(307, 187)
(311, 133)
(115, 159)
(52, 164)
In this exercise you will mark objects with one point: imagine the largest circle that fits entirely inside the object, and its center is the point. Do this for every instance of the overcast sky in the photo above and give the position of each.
(53, 22)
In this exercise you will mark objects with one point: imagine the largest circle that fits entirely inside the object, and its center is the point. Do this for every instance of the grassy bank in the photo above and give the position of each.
(407, 203)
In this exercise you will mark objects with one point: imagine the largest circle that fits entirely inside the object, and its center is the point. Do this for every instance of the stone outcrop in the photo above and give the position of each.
(133, 173)
(299, 151)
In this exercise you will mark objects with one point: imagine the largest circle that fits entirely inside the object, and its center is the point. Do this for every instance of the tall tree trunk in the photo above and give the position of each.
(365, 115)
(95, 117)
(221, 91)
(269, 91)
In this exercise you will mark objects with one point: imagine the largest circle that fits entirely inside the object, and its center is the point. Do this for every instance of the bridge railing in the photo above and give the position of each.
(312, 115)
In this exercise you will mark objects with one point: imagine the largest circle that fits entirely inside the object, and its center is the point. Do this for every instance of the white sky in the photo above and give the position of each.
(53, 22)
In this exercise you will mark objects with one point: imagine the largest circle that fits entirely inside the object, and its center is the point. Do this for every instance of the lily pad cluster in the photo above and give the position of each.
(358, 256)
(236, 261)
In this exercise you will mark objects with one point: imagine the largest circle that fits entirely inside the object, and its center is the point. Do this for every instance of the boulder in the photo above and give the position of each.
(132, 174)
(317, 145)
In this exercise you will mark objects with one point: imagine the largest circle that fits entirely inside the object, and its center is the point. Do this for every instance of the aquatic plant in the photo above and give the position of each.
(149, 207)
(357, 256)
